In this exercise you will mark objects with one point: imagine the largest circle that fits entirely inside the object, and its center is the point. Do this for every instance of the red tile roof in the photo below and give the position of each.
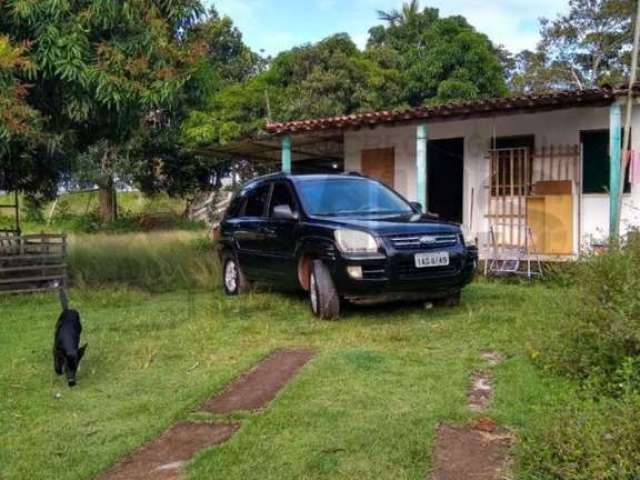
(459, 110)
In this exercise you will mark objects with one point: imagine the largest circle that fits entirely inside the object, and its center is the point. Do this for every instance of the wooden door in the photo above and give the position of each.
(380, 164)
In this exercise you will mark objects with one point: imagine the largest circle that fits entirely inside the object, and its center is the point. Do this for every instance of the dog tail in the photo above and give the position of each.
(64, 301)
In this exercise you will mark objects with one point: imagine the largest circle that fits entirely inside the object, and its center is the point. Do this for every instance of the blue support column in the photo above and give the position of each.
(286, 154)
(615, 151)
(421, 165)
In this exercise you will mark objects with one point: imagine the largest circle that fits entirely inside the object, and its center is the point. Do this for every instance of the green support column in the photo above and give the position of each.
(286, 154)
(615, 125)
(421, 165)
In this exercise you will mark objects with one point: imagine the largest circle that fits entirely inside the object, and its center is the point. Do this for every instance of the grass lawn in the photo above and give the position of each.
(73, 213)
(366, 407)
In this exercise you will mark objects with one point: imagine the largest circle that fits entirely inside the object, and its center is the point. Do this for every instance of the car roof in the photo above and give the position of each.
(306, 177)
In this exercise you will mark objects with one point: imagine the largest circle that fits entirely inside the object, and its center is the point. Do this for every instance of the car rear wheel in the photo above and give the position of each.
(323, 296)
(233, 280)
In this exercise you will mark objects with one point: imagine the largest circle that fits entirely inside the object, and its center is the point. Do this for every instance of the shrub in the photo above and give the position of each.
(591, 440)
(599, 340)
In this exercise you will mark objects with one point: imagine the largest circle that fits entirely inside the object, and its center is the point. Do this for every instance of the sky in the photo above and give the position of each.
(276, 25)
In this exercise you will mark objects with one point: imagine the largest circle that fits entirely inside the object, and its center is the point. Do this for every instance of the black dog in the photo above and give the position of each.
(66, 354)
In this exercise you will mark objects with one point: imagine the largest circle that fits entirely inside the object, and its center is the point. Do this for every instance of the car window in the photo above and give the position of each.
(350, 196)
(234, 207)
(257, 201)
(281, 196)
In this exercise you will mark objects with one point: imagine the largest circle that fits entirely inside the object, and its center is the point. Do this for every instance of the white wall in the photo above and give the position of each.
(561, 127)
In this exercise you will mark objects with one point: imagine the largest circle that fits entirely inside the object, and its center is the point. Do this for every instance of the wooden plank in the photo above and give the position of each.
(379, 163)
(42, 278)
(25, 268)
(536, 221)
(553, 187)
(30, 256)
(511, 193)
(559, 224)
(28, 290)
(520, 193)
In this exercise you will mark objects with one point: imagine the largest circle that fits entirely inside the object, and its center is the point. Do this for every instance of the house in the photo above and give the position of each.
(530, 171)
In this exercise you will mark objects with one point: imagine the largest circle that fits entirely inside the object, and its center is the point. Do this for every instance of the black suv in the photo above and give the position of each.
(340, 237)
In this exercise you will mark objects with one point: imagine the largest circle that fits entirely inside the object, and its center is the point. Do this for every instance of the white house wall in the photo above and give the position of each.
(560, 127)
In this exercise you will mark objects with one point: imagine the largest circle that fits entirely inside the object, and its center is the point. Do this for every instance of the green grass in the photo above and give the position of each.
(77, 213)
(156, 262)
(366, 407)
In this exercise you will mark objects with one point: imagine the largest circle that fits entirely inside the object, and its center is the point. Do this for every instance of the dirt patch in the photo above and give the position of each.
(163, 458)
(492, 358)
(480, 392)
(468, 453)
(255, 389)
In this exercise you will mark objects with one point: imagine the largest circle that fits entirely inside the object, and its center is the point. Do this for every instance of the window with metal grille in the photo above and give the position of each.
(511, 165)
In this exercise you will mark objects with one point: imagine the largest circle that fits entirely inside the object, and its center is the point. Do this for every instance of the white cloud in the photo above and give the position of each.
(360, 38)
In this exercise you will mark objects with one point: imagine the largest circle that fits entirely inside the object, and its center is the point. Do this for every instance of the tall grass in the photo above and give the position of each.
(156, 262)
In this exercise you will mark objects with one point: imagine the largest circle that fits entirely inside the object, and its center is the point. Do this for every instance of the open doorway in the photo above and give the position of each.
(445, 170)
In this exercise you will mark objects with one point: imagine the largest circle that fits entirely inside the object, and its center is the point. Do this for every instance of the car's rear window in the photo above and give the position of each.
(350, 196)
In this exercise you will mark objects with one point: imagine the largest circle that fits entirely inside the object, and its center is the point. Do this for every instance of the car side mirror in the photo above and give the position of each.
(284, 212)
(416, 206)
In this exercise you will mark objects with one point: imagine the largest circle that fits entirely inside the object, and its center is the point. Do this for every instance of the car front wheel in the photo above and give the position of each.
(233, 280)
(323, 296)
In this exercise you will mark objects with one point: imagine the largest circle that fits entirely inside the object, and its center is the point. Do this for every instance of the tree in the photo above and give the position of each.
(440, 59)
(28, 156)
(219, 107)
(585, 48)
(331, 77)
(103, 71)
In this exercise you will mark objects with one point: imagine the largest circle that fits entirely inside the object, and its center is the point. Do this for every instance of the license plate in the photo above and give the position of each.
(432, 259)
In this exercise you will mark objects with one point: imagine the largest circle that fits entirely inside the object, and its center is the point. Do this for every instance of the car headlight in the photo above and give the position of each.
(355, 241)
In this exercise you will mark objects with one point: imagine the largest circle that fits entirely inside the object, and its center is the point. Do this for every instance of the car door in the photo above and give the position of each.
(280, 234)
(250, 231)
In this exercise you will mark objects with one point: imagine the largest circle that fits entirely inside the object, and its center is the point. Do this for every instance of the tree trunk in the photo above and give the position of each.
(108, 203)
(106, 190)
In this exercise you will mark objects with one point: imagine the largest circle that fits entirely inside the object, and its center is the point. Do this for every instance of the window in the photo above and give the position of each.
(595, 162)
(514, 151)
(235, 206)
(257, 201)
(350, 196)
(281, 196)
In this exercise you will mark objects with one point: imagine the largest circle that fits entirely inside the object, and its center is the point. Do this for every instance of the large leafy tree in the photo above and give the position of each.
(440, 59)
(103, 71)
(25, 150)
(226, 64)
(331, 77)
(588, 46)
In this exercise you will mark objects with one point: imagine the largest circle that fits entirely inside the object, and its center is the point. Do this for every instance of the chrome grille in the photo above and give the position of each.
(423, 241)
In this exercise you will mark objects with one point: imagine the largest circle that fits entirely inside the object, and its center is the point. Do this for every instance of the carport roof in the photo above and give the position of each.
(604, 95)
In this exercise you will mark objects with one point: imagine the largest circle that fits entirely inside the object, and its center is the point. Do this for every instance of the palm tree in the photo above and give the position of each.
(408, 15)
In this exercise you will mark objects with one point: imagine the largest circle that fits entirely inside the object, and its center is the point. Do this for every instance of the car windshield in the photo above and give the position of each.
(350, 196)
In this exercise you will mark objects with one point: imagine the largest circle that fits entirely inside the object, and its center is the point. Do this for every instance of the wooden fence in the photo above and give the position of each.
(30, 263)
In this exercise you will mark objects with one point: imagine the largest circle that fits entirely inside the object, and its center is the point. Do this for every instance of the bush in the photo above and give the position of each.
(599, 340)
(591, 440)
(155, 262)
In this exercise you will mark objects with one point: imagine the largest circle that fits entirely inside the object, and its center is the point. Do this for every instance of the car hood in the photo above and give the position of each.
(404, 224)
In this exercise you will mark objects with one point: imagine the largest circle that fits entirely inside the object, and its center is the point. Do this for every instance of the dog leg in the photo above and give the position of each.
(58, 361)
